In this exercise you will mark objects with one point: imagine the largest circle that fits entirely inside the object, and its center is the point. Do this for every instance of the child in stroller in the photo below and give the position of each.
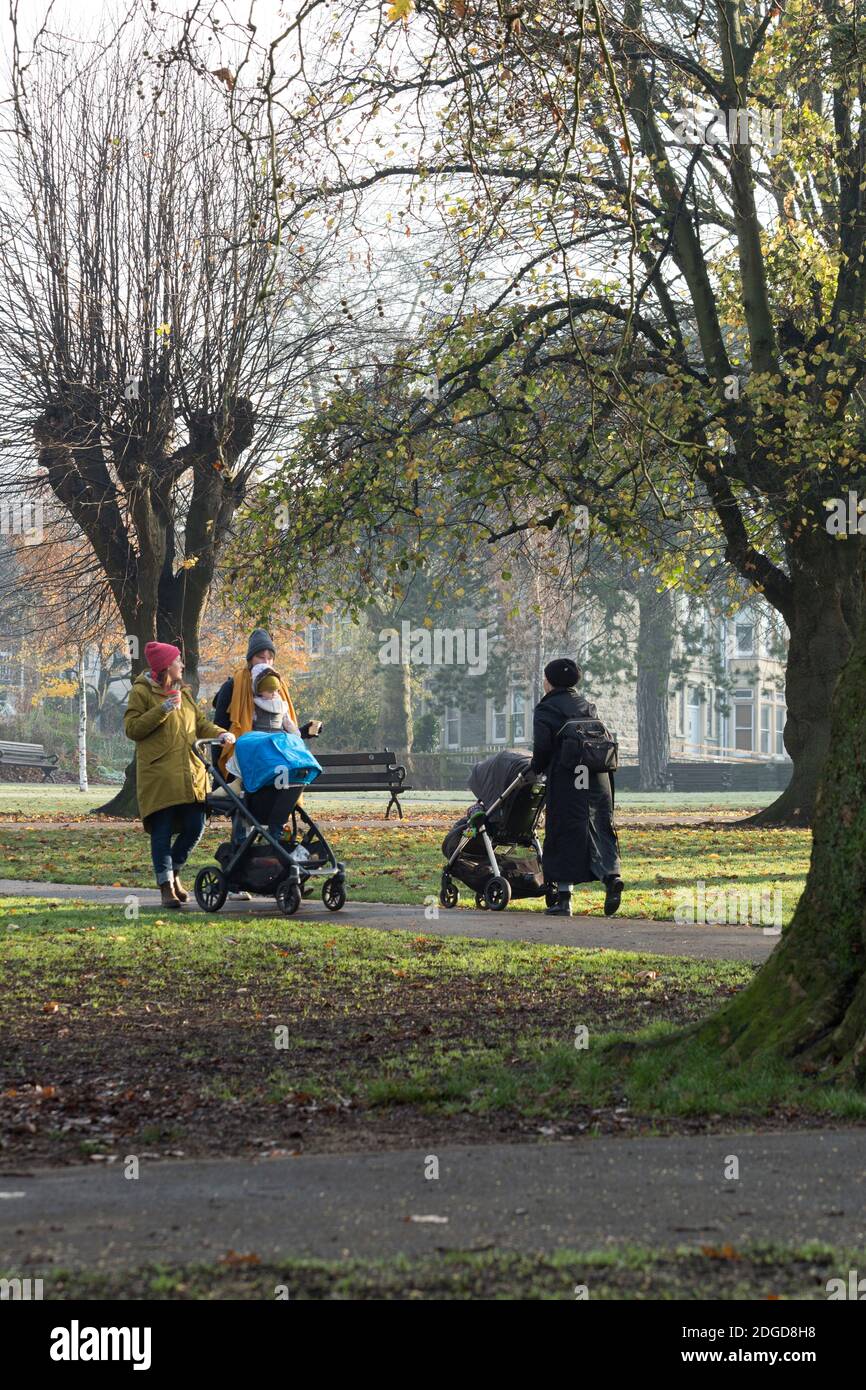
(505, 818)
(269, 859)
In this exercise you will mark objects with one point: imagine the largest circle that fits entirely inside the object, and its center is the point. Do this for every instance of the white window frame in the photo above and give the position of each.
(518, 711)
(452, 716)
(781, 717)
(495, 715)
(740, 649)
(741, 700)
(766, 730)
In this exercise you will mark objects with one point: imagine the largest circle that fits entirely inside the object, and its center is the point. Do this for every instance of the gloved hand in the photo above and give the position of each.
(171, 701)
(227, 738)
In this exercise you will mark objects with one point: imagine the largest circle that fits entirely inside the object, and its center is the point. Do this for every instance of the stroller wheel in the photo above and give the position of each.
(210, 888)
(288, 896)
(497, 894)
(479, 902)
(448, 894)
(333, 894)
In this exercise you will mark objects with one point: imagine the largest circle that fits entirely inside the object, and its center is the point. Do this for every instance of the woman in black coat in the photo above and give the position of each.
(580, 842)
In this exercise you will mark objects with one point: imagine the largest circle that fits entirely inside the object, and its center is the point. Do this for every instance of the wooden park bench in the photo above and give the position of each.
(361, 772)
(28, 755)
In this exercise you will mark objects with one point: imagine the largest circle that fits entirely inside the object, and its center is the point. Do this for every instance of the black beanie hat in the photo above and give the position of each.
(260, 641)
(562, 673)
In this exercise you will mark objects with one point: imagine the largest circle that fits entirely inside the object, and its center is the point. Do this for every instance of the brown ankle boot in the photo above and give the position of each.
(179, 891)
(168, 896)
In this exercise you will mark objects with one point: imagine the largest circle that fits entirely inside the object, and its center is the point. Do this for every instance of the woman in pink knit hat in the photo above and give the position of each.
(163, 720)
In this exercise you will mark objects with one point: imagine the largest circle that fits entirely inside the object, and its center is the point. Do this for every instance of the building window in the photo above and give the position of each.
(721, 726)
(498, 724)
(342, 635)
(681, 712)
(693, 714)
(316, 639)
(745, 638)
(518, 715)
(781, 714)
(709, 714)
(744, 713)
(765, 728)
(452, 728)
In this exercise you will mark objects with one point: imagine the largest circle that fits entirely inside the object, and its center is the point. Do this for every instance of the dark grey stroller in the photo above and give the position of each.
(504, 818)
(256, 862)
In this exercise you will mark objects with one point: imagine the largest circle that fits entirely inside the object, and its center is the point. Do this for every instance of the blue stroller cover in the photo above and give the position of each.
(261, 757)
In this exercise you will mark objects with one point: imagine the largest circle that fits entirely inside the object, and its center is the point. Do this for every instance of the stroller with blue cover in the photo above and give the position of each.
(254, 860)
(505, 819)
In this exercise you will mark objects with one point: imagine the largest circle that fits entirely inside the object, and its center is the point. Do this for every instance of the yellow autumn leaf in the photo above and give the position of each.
(400, 9)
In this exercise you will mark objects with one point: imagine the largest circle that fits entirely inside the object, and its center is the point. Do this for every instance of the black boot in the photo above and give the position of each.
(562, 908)
(613, 894)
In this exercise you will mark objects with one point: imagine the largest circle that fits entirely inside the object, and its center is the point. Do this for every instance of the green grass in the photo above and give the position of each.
(633, 1273)
(209, 1035)
(46, 799)
(397, 863)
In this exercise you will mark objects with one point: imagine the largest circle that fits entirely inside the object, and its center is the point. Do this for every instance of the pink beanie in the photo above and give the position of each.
(159, 656)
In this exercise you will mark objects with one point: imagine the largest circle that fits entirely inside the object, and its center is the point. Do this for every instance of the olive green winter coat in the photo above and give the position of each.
(167, 771)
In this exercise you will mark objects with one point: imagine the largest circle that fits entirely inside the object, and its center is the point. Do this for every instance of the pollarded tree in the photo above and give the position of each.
(145, 325)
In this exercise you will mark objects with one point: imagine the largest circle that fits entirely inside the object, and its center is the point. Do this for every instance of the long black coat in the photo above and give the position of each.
(569, 855)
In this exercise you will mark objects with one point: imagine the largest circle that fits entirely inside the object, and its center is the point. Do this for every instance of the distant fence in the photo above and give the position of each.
(733, 776)
(449, 771)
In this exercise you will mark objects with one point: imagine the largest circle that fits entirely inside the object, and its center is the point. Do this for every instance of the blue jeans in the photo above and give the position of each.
(170, 856)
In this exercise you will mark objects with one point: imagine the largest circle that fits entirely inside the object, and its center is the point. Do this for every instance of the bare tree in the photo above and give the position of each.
(146, 330)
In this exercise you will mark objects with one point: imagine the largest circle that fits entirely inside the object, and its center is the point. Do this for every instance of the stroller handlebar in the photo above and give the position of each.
(200, 744)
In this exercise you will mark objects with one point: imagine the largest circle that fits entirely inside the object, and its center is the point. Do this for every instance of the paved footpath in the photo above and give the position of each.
(585, 1194)
(614, 933)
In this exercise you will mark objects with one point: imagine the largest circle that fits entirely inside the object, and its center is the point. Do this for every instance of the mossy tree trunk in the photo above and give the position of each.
(808, 1002)
(823, 614)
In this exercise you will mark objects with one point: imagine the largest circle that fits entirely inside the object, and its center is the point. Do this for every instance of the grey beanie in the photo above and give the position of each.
(259, 641)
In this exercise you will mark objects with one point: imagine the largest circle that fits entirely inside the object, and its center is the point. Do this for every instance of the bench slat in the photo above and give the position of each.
(26, 759)
(27, 762)
(373, 780)
(386, 759)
